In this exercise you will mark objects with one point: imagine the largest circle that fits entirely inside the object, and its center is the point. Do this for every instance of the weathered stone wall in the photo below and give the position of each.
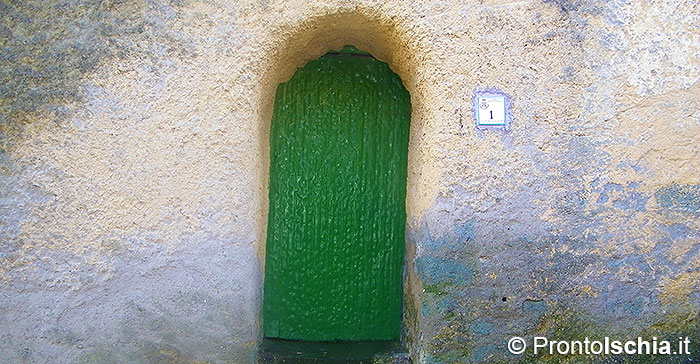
(134, 171)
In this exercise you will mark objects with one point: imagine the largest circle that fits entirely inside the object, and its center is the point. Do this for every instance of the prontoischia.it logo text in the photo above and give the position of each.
(606, 346)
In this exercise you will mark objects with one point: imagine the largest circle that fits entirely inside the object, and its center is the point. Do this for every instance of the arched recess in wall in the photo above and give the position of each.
(312, 39)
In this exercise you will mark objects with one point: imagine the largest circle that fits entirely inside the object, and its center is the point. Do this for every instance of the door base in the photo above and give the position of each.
(276, 351)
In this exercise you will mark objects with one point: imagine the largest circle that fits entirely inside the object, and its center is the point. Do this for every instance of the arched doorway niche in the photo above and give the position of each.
(389, 41)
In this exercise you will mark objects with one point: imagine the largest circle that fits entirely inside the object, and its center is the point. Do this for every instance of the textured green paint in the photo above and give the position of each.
(335, 238)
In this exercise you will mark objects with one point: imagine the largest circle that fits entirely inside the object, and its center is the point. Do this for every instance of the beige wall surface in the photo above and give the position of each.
(134, 159)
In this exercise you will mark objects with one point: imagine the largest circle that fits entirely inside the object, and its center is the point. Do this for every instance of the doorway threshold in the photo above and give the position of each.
(277, 351)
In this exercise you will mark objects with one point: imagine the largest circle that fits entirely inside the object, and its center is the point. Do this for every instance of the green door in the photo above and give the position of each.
(335, 236)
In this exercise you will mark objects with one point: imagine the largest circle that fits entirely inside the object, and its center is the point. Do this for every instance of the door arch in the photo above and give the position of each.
(336, 221)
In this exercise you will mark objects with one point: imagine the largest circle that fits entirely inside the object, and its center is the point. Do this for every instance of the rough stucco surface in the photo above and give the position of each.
(135, 156)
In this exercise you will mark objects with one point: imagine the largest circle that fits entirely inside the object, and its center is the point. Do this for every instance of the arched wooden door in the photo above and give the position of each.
(335, 237)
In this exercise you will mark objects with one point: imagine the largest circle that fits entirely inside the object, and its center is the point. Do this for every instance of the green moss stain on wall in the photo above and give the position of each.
(567, 291)
(680, 197)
